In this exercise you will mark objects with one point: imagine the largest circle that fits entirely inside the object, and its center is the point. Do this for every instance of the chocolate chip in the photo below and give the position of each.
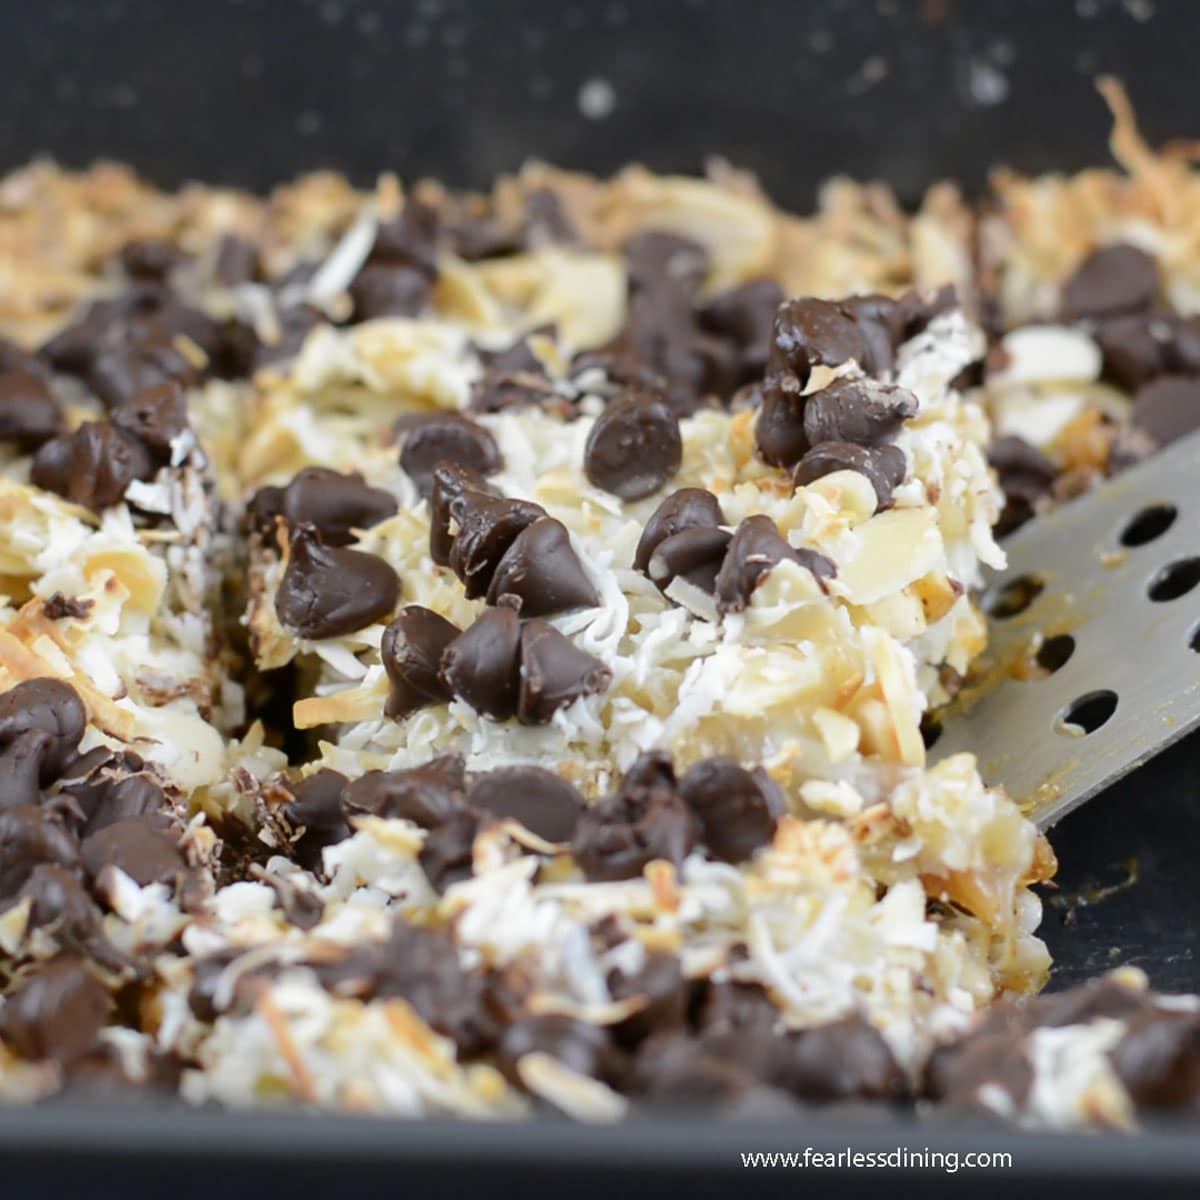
(120, 374)
(737, 808)
(579, 1045)
(1111, 282)
(21, 763)
(541, 570)
(59, 903)
(329, 591)
(634, 447)
(428, 795)
(687, 508)
(1168, 408)
(843, 1060)
(150, 259)
(431, 438)
(884, 466)
(451, 483)
(333, 503)
(411, 652)
(1135, 349)
(446, 855)
(57, 1013)
(296, 322)
(809, 333)
(553, 673)
(156, 416)
(779, 430)
(1026, 477)
(316, 808)
(29, 412)
(857, 410)
(137, 846)
(693, 554)
(51, 706)
(645, 820)
(236, 261)
(92, 466)
(382, 290)
(661, 982)
(487, 527)
(1158, 1060)
(746, 314)
(482, 664)
(29, 836)
(757, 546)
(545, 803)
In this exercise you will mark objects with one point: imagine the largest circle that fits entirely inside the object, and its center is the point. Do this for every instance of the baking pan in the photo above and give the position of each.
(249, 92)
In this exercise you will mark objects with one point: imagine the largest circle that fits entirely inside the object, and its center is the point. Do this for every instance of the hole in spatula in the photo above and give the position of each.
(1175, 580)
(1087, 714)
(1015, 596)
(1149, 524)
(1055, 652)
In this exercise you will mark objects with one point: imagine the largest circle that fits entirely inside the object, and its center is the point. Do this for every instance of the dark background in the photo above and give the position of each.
(252, 91)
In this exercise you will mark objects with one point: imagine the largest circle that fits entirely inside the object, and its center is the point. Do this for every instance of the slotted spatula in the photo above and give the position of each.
(1093, 662)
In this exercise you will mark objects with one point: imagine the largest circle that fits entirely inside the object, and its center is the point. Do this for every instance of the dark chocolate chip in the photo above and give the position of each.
(1135, 349)
(451, 482)
(334, 504)
(661, 982)
(645, 820)
(446, 854)
(779, 430)
(747, 315)
(329, 591)
(1168, 408)
(487, 527)
(122, 373)
(687, 508)
(737, 808)
(92, 466)
(316, 808)
(21, 763)
(579, 1045)
(156, 416)
(1158, 1060)
(554, 672)
(56, 1013)
(59, 902)
(29, 836)
(431, 438)
(811, 332)
(138, 846)
(383, 290)
(428, 795)
(541, 569)
(694, 554)
(634, 447)
(29, 412)
(150, 259)
(1113, 281)
(482, 665)
(757, 546)
(857, 410)
(51, 706)
(411, 651)
(884, 466)
(843, 1060)
(545, 803)
(236, 261)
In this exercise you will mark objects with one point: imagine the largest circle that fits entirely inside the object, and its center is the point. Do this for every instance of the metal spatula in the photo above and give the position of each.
(1093, 663)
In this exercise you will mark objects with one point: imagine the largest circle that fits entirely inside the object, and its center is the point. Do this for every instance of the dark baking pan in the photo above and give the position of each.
(252, 91)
